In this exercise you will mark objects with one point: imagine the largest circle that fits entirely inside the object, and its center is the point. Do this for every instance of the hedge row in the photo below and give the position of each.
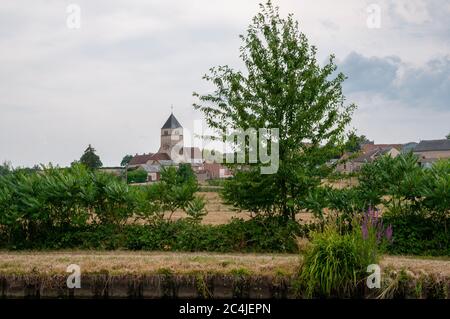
(413, 235)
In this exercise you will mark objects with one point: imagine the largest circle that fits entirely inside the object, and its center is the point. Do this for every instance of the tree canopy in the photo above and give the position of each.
(90, 159)
(283, 86)
(354, 142)
(125, 160)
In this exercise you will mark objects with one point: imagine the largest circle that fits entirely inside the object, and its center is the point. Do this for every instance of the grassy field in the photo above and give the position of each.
(125, 262)
(219, 213)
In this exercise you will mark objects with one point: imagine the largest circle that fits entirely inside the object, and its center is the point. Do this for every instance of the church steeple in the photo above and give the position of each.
(171, 122)
(171, 136)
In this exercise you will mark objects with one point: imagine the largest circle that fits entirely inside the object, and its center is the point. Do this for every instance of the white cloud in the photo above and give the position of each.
(427, 86)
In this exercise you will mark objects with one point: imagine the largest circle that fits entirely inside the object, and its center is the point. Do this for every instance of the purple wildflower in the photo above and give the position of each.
(372, 221)
(365, 231)
(389, 233)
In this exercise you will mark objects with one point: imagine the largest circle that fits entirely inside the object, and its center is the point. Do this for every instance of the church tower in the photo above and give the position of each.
(171, 135)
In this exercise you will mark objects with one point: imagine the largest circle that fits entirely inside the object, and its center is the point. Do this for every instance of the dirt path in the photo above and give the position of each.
(123, 262)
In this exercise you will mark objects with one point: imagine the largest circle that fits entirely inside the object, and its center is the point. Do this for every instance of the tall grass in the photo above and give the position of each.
(335, 264)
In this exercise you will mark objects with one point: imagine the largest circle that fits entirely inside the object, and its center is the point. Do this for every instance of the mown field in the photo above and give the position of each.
(220, 213)
(125, 262)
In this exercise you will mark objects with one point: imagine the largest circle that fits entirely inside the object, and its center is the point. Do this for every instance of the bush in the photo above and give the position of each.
(41, 205)
(336, 263)
(418, 234)
(137, 176)
(257, 235)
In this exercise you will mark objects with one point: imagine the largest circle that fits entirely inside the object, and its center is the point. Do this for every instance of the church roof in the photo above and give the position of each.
(172, 122)
(140, 159)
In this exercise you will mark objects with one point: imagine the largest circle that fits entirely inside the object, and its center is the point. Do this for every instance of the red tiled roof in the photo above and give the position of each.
(141, 159)
(370, 147)
(160, 157)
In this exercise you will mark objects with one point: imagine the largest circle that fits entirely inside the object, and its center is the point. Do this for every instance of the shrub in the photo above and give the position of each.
(418, 234)
(258, 235)
(195, 209)
(336, 263)
(37, 205)
(175, 190)
(137, 176)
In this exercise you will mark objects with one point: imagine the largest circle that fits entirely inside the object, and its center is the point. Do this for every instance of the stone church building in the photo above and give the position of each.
(171, 152)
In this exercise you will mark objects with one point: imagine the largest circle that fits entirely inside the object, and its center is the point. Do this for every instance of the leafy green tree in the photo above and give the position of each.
(283, 86)
(5, 169)
(354, 142)
(195, 209)
(186, 174)
(90, 159)
(436, 191)
(173, 191)
(448, 136)
(126, 159)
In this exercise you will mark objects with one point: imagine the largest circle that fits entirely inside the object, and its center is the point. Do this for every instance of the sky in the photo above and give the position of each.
(111, 81)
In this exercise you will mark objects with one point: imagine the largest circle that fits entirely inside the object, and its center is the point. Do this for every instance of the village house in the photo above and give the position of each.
(429, 151)
(367, 154)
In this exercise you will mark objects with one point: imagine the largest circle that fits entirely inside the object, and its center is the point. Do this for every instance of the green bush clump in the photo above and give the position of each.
(335, 264)
(257, 235)
(417, 234)
(40, 205)
(137, 176)
(414, 200)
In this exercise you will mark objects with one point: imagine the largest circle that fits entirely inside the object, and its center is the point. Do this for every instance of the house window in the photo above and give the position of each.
(166, 132)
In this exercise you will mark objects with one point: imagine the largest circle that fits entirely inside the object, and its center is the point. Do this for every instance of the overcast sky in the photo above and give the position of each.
(111, 82)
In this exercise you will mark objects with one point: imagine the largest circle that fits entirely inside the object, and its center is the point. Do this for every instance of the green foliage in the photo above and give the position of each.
(175, 189)
(137, 176)
(90, 159)
(335, 264)
(185, 174)
(435, 190)
(126, 159)
(354, 142)
(5, 168)
(345, 203)
(417, 234)
(284, 87)
(33, 205)
(403, 187)
(399, 184)
(256, 235)
(261, 199)
(415, 201)
(195, 209)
